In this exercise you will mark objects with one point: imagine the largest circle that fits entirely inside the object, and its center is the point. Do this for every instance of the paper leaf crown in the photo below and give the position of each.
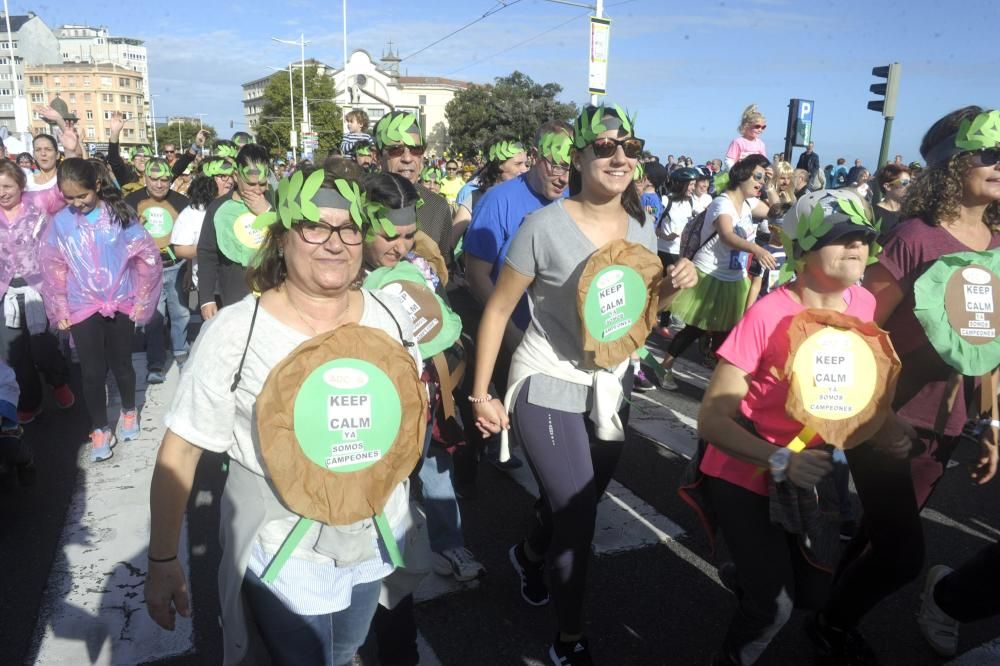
(158, 168)
(555, 147)
(295, 201)
(501, 151)
(226, 149)
(983, 131)
(591, 122)
(398, 127)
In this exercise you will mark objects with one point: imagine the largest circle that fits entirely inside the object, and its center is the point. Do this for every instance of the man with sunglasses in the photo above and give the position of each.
(170, 154)
(158, 207)
(400, 143)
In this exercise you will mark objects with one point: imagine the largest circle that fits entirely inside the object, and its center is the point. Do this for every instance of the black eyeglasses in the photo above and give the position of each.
(608, 147)
(986, 157)
(398, 149)
(317, 233)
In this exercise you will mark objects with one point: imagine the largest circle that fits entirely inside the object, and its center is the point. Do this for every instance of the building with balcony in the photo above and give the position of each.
(33, 44)
(92, 92)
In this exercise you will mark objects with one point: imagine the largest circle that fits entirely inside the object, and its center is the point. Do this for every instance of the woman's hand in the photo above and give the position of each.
(985, 468)
(895, 438)
(491, 417)
(52, 116)
(765, 258)
(63, 324)
(683, 274)
(805, 469)
(209, 310)
(166, 593)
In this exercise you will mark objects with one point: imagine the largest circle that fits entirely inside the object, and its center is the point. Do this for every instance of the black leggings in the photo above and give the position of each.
(972, 592)
(103, 342)
(774, 576)
(690, 334)
(27, 354)
(573, 469)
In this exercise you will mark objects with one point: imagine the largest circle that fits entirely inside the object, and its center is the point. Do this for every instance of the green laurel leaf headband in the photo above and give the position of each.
(593, 121)
(430, 174)
(384, 220)
(144, 151)
(218, 166)
(398, 127)
(980, 132)
(639, 172)
(158, 168)
(363, 148)
(300, 198)
(555, 147)
(226, 150)
(811, 228)
(501, 151)
(259, 170)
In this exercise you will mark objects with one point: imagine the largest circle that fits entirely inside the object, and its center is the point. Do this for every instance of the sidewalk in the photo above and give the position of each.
(93, 611)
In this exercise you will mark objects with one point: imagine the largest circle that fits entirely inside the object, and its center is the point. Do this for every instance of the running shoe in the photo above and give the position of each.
(667, 381)
(533, 588)
(26, 416)
(457, 562)
(838, 647)
(641, 383)
(572, 653)
(155, 376)
(100, 445)
(939, 629)
(64, 396)
(128, 426)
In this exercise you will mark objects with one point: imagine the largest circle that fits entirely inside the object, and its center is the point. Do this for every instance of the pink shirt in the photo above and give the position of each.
(758, 344)
(742, 147)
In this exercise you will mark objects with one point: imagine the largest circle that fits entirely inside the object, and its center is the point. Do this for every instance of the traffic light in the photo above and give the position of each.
(888, 90)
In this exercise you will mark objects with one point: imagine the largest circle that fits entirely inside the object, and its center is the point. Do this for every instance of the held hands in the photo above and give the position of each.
(805, 469)
(683, 274)
(491, 417)
(166, 593)
(985, 468)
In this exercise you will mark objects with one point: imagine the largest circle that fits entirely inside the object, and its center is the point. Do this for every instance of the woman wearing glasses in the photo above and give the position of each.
(752, 125)
(725, 246)
(954, 206)
(893, 180)
(571, 464)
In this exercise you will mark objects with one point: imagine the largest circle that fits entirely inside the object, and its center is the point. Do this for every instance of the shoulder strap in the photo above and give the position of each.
(399, 329)
(246, 347)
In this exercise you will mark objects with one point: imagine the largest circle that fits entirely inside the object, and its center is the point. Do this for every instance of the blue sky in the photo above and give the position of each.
(687, 68)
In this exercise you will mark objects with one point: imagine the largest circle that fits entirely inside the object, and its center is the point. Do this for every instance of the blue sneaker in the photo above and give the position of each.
(128, 426)
(100, 445)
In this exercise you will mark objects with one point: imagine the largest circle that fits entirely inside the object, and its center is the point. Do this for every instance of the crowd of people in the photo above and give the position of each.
(276, 259)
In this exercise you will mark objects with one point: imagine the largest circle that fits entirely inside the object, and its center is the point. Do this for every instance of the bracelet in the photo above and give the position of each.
(155, 560)
(992, 423)
(479, 401)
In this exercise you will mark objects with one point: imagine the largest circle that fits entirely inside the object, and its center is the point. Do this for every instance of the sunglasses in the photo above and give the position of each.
(760, 127)
(607, 147)
(760, 175)
(901, 183)
(398, 150)
(169, 152)
(986, 157)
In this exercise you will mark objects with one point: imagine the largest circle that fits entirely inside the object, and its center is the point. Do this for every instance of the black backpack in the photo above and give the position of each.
(691, 236)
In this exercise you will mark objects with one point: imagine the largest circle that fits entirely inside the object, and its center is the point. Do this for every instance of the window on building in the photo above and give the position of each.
(56, 80)
(124, 83)
(4, 76)
(90, 114)
(125, 99)
(86, 82)
(107, 132)
(71, 80)
(37, 98)
(86, 97)
(422, 99)
(91, 133)
(72, 97)
(4, 92)
(108, 97)
(142, 134)
(107, 115)
(6, 107)
(106, 81)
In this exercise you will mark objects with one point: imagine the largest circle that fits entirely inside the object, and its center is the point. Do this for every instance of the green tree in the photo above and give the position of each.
(513, 106)
(325, 117)
(181, 134)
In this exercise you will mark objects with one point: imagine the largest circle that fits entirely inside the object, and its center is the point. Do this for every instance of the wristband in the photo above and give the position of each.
(993, 423)
(479, 401)
(164, 560)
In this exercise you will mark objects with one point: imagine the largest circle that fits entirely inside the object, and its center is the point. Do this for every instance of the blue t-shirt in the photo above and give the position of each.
(652, 204)
(498, 216)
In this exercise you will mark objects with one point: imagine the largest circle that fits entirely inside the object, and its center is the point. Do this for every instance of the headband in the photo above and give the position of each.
(259, 170)
(430, 174)
(592, 121)
(639, 171)
(219, 166)
(363, 149)
(384, 220)
(501, 151)
(300, 198)
(980, 132)
(226, 150)
(555, 147)
(398, 127)
(158, 168)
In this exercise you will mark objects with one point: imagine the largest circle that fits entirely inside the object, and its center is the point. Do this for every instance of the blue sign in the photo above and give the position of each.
(803, 109)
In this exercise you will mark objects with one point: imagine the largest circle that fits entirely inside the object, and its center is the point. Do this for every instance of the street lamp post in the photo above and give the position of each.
(201, 120)
(305, 105)
(152, 113)
(598, 10)
(291, 108)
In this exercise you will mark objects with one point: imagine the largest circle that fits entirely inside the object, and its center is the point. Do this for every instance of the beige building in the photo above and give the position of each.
(376, 89)
(92, 92)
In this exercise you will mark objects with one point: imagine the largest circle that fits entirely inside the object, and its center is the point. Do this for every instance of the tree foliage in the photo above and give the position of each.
(326, 118)
(513, 106)
(181, 135)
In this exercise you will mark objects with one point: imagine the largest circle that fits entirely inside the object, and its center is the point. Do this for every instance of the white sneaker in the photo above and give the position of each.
(939, 629)
(457, 562)
(667, 381)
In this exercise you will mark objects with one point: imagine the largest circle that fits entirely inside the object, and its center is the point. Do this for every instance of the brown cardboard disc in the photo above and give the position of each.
(972, 302)
(423, 307)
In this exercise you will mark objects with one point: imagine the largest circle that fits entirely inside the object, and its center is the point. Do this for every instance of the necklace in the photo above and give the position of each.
(302, 318)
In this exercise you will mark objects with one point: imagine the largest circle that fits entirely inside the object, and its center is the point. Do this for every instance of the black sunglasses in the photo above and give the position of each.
(398, 149)
(608, 147)
(986, 157)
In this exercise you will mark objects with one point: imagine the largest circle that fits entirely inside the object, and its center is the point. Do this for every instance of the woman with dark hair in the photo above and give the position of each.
(954, 206)
(102, 276)
(26, 342)
(893, 181)
(228, 239)
(26, 161)
(722, 259)
(319, 607)
(506, 159)
(184, 238)
(552, 382)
